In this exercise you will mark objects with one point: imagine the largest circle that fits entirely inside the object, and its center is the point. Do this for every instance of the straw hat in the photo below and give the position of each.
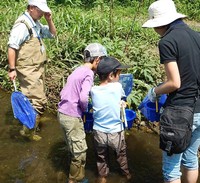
(162, 12)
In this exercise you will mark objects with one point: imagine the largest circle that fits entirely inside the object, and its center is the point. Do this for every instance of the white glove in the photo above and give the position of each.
(122, 104)
(152, 95)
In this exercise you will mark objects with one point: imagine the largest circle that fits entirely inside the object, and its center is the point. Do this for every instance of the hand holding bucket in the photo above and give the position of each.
(151, 110)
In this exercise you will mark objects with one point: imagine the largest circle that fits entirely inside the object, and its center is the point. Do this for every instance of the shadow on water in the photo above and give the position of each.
(47, 161)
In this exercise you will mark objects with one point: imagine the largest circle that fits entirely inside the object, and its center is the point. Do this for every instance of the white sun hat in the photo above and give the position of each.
(41, 4)
(162, 12)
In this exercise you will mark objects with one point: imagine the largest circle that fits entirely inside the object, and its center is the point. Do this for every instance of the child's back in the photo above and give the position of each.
(106, 105)
(108, 129)
(74, 101)
(74, 95)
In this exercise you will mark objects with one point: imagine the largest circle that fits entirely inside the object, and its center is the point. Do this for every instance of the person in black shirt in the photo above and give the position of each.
(180, 54)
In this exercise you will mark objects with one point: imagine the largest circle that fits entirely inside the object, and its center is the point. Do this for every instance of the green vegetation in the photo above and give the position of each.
(115, 24)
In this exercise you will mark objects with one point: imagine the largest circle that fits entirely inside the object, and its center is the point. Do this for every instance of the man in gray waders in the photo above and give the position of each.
(27, 56)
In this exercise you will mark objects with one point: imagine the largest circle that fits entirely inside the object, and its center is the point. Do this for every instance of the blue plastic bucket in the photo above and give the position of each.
(88, 121)
(130, 116)
(151, 113)
(148, 109)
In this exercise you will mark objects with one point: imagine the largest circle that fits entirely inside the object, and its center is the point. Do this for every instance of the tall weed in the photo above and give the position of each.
(79, 22)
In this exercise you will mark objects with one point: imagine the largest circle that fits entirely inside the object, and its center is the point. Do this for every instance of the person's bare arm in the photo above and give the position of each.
(11, 62)
(52, 28)
(173, 81)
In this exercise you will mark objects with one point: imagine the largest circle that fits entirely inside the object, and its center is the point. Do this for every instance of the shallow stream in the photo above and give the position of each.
(46, 161)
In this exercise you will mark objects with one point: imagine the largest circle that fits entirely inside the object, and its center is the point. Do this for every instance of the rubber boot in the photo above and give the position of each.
(34, 136)
(25, 132)
(101, 180)
(37, 128)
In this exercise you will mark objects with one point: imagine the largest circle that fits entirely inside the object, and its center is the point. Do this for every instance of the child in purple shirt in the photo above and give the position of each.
(74, 101)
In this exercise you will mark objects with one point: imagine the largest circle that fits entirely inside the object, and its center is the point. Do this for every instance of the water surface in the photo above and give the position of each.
(46, 161)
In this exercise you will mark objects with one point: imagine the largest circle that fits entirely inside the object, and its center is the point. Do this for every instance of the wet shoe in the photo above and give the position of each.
(35, 137)
(101, 180)
(37, 129)
(71, 181)
(37, 123)
(22, 132)
(125, 179)
(25, 132)
(129, 176)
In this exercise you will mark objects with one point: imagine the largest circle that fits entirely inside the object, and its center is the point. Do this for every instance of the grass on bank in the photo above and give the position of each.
(115, 24)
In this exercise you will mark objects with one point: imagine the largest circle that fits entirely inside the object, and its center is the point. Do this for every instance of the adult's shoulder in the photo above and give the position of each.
(23, 22)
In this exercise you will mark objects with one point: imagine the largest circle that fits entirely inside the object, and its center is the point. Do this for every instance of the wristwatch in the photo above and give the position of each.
(11, 69)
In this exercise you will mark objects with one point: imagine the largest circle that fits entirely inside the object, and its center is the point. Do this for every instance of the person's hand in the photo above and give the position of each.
(12, 75)
(122, 104)
(47, 16)
(152, 95)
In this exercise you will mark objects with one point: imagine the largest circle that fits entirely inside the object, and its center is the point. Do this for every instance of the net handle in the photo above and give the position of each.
(14, 84)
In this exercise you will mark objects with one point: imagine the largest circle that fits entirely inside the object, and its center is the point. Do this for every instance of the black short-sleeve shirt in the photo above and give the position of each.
(178, 45)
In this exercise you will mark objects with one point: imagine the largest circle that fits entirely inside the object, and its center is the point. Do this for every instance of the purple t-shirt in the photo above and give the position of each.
(74, 96)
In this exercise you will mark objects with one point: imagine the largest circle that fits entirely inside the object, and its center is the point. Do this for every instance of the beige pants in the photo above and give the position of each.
(31, 79)
(30, 72)
(75, 138)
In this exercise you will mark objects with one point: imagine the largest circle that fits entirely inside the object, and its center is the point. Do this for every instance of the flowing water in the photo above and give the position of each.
(46, 161)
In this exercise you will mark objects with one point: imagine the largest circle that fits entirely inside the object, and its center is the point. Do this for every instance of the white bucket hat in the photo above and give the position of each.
(41, 4)
(162, 12)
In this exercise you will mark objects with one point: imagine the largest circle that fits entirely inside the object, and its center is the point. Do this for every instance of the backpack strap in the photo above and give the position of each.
(27, 25)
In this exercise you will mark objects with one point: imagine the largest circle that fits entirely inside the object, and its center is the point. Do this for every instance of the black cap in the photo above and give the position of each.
(108, 65)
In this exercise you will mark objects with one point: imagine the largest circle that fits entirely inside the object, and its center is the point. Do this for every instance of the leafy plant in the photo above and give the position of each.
(80, 22)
